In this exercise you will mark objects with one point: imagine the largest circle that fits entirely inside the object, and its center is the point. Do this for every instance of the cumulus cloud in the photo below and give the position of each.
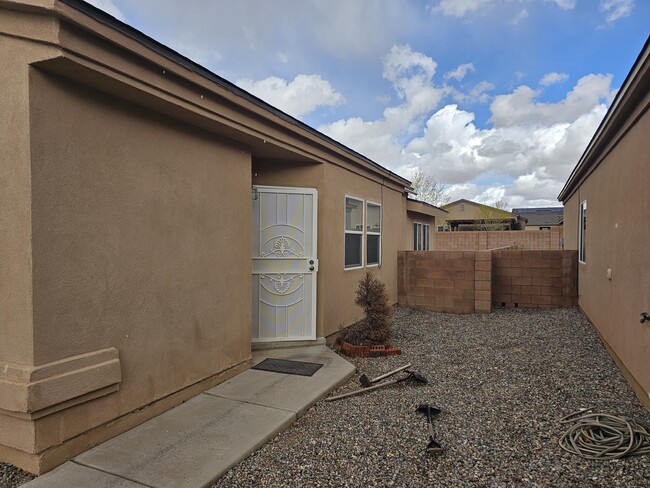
(460, 72)
(522, 108)
(523, 159)
(298, 97)
(616, 9)
(553, 78)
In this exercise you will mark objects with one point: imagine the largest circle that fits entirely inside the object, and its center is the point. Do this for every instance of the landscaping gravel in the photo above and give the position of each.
(503, 381)
(10, 476)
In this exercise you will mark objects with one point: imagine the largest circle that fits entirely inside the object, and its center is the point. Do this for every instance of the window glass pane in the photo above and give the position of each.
(353, 214)
(373, 218)
(373, 249)
(417, 236)
(353, 250)
(425, 247)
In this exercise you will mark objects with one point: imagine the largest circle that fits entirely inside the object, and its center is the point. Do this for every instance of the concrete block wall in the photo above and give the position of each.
(484, 240)
(534, 279)
(476, 281)
(483, 282)
(444, 281)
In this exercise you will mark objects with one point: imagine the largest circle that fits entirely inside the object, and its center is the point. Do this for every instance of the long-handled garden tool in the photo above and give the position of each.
(429, 409)
(366, 382)
(411, 375)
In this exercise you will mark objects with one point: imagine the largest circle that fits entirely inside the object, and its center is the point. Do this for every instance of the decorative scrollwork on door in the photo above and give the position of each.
(282, 249)
(281, 282)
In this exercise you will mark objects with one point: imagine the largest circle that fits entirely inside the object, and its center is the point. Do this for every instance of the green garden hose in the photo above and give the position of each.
(604, 436)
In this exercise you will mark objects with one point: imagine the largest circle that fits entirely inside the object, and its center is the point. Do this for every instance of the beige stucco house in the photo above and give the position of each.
(606, 215)
(468, 215)
(157, 222)
(422, 220)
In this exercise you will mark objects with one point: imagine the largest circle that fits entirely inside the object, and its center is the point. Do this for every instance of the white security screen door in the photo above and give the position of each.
(284, 264)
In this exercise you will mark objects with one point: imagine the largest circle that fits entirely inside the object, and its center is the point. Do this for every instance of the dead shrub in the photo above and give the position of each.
(376, 327)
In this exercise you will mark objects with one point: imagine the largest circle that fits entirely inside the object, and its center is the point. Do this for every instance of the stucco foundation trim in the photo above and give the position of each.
(49, 458)
(30, 389)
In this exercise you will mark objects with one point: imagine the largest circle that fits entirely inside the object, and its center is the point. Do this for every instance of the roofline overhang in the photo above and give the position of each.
(619, 112)
(64, 11)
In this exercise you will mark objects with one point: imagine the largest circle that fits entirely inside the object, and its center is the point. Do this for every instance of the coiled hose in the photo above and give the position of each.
(603, 436)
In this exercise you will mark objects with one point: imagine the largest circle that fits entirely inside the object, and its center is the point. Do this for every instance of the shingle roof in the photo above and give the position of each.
(541, 216)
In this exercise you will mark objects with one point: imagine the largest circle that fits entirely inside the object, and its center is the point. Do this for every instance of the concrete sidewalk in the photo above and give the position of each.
(195, 443)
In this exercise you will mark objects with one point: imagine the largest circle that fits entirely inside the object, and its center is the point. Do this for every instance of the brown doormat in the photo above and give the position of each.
(288, 367)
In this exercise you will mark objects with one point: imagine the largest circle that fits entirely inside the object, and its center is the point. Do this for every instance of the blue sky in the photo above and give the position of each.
(496, 99)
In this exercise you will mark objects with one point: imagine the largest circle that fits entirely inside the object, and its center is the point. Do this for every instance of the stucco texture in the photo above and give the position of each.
(617, 238)
(141, 241)
(336, 286)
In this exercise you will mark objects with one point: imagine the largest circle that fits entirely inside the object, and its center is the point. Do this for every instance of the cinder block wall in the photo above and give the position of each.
(534, 278)
(445, 281)
(485, 240)
(475, 281)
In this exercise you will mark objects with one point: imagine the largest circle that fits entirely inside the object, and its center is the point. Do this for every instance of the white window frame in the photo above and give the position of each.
(421, 236)
(361, 232)
(582, 220)
(368, 233)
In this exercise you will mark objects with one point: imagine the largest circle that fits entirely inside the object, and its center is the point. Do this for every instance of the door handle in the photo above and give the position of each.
(311, 268)
(311, 261)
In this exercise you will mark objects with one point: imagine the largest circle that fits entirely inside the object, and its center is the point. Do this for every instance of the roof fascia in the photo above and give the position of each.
(89, 18)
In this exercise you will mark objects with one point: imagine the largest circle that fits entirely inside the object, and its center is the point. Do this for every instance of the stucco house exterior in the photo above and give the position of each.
(543, 218)
(157, 223)
(468, 215)
(422, 220)
(606, 215)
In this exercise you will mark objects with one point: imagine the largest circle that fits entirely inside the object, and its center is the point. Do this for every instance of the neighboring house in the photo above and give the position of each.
(540, 218)
(467, 215)
(157, 221)
(422, 221)
(606, 214)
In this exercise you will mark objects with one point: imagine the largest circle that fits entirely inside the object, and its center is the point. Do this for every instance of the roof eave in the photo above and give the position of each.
(614, 118)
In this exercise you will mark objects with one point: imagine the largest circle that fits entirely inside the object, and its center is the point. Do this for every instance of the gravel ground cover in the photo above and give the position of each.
(503, 381)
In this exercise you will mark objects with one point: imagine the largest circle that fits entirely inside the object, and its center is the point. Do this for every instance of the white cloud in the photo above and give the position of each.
(459, 8)
(553, 78)
(460, 72)
(521, 107)
(616, 9)
(302, 95)
(109, 7)
(565, 4)
(523, 160)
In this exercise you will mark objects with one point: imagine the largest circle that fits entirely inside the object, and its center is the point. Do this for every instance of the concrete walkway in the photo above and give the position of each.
(195, 443)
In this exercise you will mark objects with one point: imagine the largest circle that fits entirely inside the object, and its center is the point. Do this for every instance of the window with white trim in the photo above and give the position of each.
(353, 232)
(373, 234)
(421, 236)
(582, 229)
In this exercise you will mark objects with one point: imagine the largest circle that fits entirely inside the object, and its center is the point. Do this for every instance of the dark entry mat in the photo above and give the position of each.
(288, 367)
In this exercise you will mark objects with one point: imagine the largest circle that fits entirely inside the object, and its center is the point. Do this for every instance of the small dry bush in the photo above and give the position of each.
(376, 327)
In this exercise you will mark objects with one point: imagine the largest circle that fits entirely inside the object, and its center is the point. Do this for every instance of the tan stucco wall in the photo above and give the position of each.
(412, 217)
(15, 197)
(141, 242)
(126, 263)
(617, 238)
(471, 211)
(336, 286)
